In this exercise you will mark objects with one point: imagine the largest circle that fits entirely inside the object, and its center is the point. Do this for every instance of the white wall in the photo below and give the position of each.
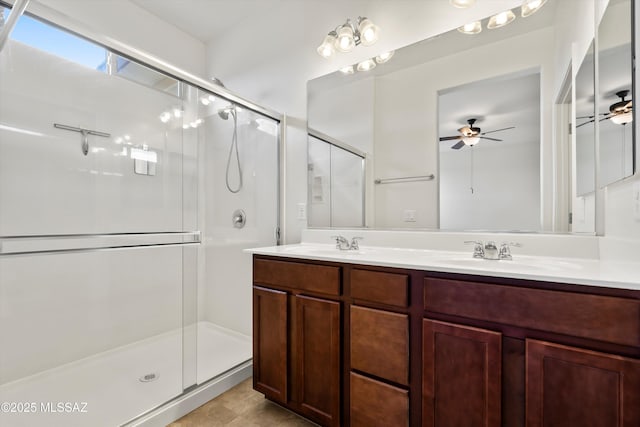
(274, 69)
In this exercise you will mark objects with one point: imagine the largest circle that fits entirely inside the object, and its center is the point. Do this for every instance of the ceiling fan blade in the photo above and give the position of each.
(587, 117)
(490, 139)
(586, 123)
(449, 138)
(498, 130)
(458, 146)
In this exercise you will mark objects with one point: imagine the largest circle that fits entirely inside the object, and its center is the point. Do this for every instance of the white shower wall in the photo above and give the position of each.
(226, 288)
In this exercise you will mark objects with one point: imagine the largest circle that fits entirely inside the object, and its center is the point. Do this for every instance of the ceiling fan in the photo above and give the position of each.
(620, 112)
(471, 135)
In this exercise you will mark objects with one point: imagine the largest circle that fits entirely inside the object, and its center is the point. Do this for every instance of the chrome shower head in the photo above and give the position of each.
(224, 113)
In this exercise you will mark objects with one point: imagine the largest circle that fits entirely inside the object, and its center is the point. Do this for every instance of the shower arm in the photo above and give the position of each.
(16, 12)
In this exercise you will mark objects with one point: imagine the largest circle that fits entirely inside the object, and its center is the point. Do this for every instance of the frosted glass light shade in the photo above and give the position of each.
(384, 57)
(366, 65)
(471, 28)
(471, 140)
(622, 119)
(369, 32)
(347, 70)
(326, 49)
(345, 41)
(531, 6)
(462, 4)
(501, 19)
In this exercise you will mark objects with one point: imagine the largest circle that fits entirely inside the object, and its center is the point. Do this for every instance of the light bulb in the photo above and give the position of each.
(345, 41)
(326, 48)
(205, 101)
(530, 7)
(501, 19)
(623, 118)
(369, 32)
(366, 65)
(462, 4)
(177, 112)
(471, 28)
(471, 140)
(384, 57)
(347, 70)
(165, 117)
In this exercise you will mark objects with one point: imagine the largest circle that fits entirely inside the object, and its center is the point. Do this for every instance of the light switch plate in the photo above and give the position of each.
(302, 211)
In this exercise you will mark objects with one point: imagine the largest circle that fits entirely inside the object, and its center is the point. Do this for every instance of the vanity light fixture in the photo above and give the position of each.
(501, 19)
(384, 57)
(531, 6)
(462, 4)
(347, 36)
(471, 28)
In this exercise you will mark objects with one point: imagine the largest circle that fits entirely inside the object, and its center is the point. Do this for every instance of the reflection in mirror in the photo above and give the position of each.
(614, 79)
(500, 156)
(585, 126)
(399, 120)
(335, 184)
(583, 195)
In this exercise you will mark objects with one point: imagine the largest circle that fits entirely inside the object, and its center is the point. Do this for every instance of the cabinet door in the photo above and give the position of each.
(376, 404)
(317, 359)
(568, 387)
(270, 343)
(461, 384)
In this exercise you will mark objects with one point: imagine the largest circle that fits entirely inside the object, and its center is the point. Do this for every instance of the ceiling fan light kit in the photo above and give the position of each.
(471, 135)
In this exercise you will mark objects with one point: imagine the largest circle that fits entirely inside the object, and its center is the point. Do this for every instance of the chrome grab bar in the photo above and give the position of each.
(405, 179)
(69, 243)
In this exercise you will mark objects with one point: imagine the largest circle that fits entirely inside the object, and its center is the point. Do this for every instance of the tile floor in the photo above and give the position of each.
(241, 407)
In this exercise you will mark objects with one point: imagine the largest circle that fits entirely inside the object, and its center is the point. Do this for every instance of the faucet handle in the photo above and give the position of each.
(478, 249)
(354, 243)
(341, 242)
(505, 251)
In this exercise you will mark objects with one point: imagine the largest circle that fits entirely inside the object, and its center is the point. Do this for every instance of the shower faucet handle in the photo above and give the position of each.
(478, 248)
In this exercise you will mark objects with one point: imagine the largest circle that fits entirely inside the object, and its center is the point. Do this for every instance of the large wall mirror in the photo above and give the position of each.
(473, 131)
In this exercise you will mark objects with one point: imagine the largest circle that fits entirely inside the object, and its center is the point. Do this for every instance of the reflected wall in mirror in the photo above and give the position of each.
(396, 121)
(583, 195)
(614, 94)
(335, 184)
(491, 148)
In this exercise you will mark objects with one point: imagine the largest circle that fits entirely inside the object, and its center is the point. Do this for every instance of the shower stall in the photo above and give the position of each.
(128, 191)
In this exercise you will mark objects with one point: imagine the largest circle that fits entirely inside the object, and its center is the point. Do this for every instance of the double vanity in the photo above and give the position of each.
(381, 336)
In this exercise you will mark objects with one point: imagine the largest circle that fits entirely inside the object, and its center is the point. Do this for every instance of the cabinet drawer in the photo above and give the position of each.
(380, 344)
(308, 277)
(376, 286)
(602, 318)
(374, 403)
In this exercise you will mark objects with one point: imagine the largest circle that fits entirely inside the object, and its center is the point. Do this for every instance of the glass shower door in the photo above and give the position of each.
(98, 218)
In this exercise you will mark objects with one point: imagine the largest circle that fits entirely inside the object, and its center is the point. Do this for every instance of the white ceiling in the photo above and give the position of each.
(206, 19)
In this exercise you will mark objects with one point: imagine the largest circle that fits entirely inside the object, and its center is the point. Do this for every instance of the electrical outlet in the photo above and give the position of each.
(636, 200)
(302, 211)
(409, 215)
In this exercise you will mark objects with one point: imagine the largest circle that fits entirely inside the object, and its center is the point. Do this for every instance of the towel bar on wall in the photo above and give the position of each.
(405, 179)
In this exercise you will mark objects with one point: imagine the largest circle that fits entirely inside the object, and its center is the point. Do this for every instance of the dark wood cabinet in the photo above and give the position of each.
(354, 345)
(461, 376)
(270, 343)
(377, 404)
(573, 387)
(297, 337)
(317, 359)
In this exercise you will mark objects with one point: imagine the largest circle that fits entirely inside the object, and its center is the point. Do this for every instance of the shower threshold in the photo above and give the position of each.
(105, 389)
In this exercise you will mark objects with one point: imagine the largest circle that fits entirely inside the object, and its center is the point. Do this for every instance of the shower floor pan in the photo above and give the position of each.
(110, 388)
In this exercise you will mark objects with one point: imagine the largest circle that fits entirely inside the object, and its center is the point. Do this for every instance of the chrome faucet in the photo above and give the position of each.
(343, 244)
(489, 250)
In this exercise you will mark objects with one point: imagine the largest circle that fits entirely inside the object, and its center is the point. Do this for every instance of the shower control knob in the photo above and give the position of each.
(239, 218)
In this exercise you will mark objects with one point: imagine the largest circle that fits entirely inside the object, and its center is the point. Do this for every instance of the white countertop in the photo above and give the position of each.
(591, 272)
